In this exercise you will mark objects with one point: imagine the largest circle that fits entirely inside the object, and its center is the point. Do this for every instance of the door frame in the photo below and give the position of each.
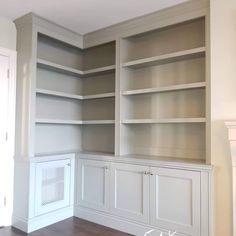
(12, 55)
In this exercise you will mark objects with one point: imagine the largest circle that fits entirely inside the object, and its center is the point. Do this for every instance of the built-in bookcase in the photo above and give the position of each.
(163, 92)
(75, 97)
(150, 87)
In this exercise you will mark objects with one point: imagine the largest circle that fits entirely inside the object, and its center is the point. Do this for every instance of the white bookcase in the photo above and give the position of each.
(129, 102)
(163, 92)
(75, 97)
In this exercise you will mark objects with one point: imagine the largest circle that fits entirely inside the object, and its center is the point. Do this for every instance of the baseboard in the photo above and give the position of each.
(30, 225)
(114, 222)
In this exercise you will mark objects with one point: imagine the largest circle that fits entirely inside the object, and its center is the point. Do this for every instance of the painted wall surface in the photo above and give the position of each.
(223, 106)
(7, 34)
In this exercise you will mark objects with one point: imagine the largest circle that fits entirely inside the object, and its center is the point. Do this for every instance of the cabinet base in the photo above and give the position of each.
(38, 222)
(115, 222)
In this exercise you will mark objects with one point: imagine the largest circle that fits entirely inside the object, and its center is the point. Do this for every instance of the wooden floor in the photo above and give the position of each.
(69, 227)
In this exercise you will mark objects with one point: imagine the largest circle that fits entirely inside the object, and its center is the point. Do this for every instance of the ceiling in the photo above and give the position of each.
(84, 16)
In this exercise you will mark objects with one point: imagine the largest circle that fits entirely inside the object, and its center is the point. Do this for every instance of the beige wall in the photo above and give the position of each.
(7, 34)
(223, 106)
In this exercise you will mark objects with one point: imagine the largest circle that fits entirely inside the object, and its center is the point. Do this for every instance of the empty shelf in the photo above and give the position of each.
(73, 96)
(69, 70)
(163, 121)
(166, 58)
(57, 121)
(73, 122)
(58, 94)
(166, 88)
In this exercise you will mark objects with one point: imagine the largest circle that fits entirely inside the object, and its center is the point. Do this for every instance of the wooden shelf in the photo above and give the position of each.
(73, 96)
(99, 95)
(74, 122)
(57, 121)
(58, 94)
(166, 88)
(69, 70)
(97, 122)
(57, 67)
(164, 121)
(100, 70)
(167, 58)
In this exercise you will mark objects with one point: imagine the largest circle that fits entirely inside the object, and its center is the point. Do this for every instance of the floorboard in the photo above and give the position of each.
(70, 227)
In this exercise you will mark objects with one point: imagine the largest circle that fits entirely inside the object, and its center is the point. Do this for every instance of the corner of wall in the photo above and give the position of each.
(7, 34)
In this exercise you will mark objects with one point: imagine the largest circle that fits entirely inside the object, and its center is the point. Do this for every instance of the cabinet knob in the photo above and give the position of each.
(145, 173)
(106, 167)
(150, 173)
(68, 164)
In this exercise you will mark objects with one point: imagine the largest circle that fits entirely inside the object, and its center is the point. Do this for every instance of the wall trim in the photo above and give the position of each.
(30, 225)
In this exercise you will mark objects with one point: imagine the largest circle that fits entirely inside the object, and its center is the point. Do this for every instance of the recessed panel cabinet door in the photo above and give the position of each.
(130, 191)
(93, 184)
(53, 179)
(175, 200)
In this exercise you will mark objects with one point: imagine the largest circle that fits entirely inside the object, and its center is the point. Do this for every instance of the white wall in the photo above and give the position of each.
(223, 106)
(7, 34)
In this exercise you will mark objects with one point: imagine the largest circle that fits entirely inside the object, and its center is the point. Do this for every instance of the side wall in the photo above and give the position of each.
(7, 34)
(223, 106)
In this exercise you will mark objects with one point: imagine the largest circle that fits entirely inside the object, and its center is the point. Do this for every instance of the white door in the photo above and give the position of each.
(4, 157)
(130, 191)
(175, 200)
(53, 180)
(93, 184)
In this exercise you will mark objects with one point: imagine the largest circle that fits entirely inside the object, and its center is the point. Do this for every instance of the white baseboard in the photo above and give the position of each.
(30, 225)
(112, 221)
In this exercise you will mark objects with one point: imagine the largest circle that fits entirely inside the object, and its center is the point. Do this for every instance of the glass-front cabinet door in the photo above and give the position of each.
(52, 190)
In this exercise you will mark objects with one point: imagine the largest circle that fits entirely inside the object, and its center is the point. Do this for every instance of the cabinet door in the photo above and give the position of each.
(130, 191)
(93, 184)
(52, 190)
(175, 200)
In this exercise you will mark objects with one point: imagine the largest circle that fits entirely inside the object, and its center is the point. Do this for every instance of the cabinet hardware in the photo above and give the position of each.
(150, 173)
(145, 173)
(106, 167)
(68, 164)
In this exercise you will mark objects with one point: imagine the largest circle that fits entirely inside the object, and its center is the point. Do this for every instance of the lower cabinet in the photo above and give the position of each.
(52, 185)
(168, 199)
(93, 184)
(129, 191)
(175, 200)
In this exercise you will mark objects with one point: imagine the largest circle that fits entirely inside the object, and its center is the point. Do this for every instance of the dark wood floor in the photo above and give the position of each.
(69, 227)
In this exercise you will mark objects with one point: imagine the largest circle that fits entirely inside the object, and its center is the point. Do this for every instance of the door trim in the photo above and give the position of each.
(11, 54)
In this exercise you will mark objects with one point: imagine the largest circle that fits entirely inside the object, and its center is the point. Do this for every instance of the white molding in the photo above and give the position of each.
(231, 126)
(50, 29)
(111, 221)
(159, 19)
(12, 55)
(30, 225)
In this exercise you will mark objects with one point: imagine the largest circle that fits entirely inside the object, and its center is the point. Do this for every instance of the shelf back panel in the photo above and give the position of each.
(98, 138)
(51, 138)
(177, 104)
(184, 36)
(99, 56)
(173, 140)
(183, 72)
(49, 107)
(58, 52)
(59, 82)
